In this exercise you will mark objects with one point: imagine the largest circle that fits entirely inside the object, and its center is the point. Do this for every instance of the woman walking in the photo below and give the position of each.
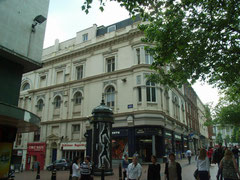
(76, 169)
(229, 167)
(173, 170)
(203, 165)
(154, 169)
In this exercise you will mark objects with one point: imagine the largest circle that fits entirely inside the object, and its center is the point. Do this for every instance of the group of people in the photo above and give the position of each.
(227, 160)
(81, 171)
(133, 171)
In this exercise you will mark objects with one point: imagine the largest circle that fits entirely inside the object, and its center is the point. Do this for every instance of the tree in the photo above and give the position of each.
(227, 140)
(219, 138)
(235, 135)
(190, 40)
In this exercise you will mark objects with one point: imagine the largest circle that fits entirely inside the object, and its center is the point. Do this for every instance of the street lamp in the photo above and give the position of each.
(38, 20)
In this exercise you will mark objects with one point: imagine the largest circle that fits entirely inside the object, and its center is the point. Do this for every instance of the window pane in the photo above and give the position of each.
(153, 94)
(139, 94)
(148, 94)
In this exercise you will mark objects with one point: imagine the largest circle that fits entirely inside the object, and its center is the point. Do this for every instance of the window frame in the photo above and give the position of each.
(110, 95)
(79, 99)
(151, 92)
(40, 106)
(55, 102)
(110, 64)
(24, 86)
(79, 72)
(85, 37)
(112, 28)
(74, 128)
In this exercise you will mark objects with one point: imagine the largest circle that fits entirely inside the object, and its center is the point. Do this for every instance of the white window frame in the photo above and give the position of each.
(79, 75)
(57, 104)
(85, 37)
(110, 97)
(40, 106)
(77, 100)
(152, 91)
(148, 58)
(78, 129)
(111, 68)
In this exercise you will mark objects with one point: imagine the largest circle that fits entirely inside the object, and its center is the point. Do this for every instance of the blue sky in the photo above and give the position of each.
(65, 18)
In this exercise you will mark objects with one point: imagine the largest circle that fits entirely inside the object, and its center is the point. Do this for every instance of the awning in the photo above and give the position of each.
(13, 116)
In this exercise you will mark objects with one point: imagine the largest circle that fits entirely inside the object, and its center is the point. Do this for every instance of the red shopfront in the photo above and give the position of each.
(35, 152)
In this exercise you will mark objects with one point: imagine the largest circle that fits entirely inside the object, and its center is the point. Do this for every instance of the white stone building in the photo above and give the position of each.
(109, 61)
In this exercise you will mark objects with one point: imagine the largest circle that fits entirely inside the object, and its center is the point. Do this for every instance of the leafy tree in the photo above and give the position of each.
(219, 138)
(235, 135)
(191, 40)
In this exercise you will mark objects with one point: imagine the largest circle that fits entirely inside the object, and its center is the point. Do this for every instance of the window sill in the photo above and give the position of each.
(152, 103)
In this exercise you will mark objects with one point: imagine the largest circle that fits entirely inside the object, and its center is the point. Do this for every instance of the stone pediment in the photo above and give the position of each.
(52, 137)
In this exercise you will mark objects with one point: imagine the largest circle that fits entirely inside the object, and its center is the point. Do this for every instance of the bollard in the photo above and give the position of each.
(38, 171)
(102, 173)
(54, 172)
(120, 172)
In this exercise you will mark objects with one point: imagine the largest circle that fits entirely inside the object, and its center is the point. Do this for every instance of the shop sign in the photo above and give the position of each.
(74, 146)
(178, 137)
(19, 153)
(168, 134)
(36, 147)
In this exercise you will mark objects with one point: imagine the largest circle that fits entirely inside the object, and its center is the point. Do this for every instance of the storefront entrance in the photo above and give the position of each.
(145, 149)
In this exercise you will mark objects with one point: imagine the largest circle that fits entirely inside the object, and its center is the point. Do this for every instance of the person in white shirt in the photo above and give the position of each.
(203, 165)
(76, 169)
(189, 155)
(134, 171)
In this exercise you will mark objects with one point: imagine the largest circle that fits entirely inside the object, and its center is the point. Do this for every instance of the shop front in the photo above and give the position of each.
(178, 146)
(119, 143)
(168, 141)
(73, 149)
(35, 154)
(149, 141)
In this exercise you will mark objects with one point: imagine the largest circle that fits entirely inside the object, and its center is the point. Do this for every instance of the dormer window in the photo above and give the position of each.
(85, 37)
(111, 28)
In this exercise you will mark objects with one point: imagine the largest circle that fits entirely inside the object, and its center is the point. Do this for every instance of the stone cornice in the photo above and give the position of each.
(93, 47)
(95, 77)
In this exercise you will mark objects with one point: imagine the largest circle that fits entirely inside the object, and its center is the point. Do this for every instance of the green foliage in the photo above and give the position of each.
(219, 138)
(235, 138)
(192, 40)
(227, 139)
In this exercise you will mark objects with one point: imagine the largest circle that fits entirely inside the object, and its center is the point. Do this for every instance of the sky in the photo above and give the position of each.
(66, 18)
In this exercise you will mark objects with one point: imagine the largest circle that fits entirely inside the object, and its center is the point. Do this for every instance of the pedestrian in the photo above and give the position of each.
(86, 169)
(134, 171)
(189, 155)
(209, 154)
(173, 170)
(235, 152)
(154, 169)
(203, 165)
(76, 169)
(217, 157)
(229, 166)
(125, 164)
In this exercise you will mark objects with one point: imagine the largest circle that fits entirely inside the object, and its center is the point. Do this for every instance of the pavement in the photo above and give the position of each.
(187, 172)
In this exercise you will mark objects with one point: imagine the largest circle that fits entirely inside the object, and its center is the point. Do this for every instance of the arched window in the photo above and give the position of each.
(77, 98)
(26, 86)
(150, 91)
(40, 105)
(57, 102)
(110, 96)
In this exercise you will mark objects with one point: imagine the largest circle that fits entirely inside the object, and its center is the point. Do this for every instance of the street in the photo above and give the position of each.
(187, 173)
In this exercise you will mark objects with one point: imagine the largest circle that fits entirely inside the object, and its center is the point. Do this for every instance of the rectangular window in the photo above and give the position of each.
(138, 55)
(148, 58)
(139, 94)
(153, 94)
(110, 64)
(36, 135)
(85, 37)
(111, 28)
(76, 127)
(79, 72)
(59, 77)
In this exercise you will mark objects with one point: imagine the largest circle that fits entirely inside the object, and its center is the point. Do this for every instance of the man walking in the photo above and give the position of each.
(217, 157)
(134, 169)
(189, 155)
(235, 152)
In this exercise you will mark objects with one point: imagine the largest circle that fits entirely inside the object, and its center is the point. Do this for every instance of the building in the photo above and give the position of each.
(111, 62)
(226, 134)
(20, 52)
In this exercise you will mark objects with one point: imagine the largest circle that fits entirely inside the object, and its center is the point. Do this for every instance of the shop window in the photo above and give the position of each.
(40, 105)
(77, 98)
(119, 147)
(150, 91)
(36, 135)
(110, 96)
(139, 89)
(26, 86)
(57, 102)
(110, 63)
(79, 72)
(18, 139)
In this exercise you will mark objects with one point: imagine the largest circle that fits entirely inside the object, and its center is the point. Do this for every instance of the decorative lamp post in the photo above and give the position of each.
(102, 121)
